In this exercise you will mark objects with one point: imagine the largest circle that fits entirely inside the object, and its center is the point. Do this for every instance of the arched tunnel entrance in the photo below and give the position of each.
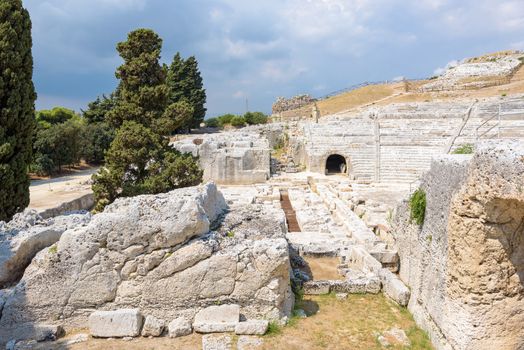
(336, 164)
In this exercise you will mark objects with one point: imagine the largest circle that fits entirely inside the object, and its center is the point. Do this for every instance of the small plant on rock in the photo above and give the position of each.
(464, 149)
(417, 205)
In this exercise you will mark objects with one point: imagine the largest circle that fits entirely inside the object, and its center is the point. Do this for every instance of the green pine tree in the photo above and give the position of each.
(17, 111)
(186, 84)
(142, 93)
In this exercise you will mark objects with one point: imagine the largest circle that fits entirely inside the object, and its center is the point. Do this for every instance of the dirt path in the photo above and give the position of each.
(50, 193)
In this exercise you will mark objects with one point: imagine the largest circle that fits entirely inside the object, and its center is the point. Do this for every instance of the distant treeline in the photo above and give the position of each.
(250, 118)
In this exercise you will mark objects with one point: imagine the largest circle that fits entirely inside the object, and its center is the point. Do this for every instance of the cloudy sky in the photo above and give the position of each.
(258, 50)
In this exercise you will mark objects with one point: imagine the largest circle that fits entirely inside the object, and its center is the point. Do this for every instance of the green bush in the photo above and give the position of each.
(417, 205)
(464, 149)
(212, 123)
(225, 119)
(238, 121)
(255, 118)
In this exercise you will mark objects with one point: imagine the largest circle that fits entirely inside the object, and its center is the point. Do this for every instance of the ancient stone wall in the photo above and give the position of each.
(287, 104)
(239, 157)
(465, 264)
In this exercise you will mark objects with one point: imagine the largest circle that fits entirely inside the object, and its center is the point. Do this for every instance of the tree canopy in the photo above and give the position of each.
(186, 84)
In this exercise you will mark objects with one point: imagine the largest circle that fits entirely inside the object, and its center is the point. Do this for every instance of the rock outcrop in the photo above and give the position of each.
(465, 265)
(27, 234)
(158, 254)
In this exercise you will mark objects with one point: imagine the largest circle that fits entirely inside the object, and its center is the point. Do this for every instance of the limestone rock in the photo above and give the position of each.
(249, 343)
(252, 327)
(396, 336)
(118, 324)
(462, 265)
(217, 342)
(145, 251)
(179, 327)
(153, 327)
(217, 318)
(27, 234)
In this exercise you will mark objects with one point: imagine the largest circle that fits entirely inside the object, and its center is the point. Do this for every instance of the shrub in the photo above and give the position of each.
(255, 118)
(212, 123)
(238, 121)
(417, 205)
(464, 149)
(225, 119)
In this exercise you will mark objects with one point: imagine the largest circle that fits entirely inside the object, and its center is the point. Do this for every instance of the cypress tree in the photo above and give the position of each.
(142, 93)
(17, 111)
(186, 84)
(197, 93)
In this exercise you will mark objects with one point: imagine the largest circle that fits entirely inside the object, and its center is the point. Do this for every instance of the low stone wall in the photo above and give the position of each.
(465, 264)
(86, 202)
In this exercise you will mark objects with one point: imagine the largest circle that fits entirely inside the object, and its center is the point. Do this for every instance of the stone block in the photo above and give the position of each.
(316, 287)
(118, 324)
(394, 287)
(252, 327)
(217, 342)
(219, 318)
(179, 327)
(153, 327)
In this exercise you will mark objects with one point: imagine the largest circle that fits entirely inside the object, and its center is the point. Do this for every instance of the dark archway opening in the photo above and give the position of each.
(336, 164)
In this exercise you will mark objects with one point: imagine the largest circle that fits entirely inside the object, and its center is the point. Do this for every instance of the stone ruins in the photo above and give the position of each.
(228, 256)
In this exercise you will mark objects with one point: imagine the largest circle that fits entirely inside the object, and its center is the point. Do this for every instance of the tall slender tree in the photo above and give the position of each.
(17, 110)
(142, 93)
(186, 84)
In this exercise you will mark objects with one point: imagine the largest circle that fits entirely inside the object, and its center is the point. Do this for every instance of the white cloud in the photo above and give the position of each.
(442, 70)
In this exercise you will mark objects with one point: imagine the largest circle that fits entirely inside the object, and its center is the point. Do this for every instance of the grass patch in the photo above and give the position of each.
(53, 249)
(230, 234)
(273, 329)
(464, 149)
(417, 205)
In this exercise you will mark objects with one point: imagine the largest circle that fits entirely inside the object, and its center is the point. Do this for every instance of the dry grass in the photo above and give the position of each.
(349, 324)
(324, 268)
(357, 98)
(332, 325)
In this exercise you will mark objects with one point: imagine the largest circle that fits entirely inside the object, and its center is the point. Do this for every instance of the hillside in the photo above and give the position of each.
(490, 75)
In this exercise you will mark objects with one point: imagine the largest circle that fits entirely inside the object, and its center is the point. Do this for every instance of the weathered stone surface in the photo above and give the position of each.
(153, 327)
(357, 285)
(252, 327)
(217, 342)
(394, 288)
(217, 318)
(249, 343)
(26, 235)
(396, 336)
(179, 327)
(118, 324)
(463, 265)
(232, 158)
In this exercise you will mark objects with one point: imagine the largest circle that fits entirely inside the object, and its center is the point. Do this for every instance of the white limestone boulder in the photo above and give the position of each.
(179, 327)
(217, 318)
(118, 324)
(252, 327)
(153, 327)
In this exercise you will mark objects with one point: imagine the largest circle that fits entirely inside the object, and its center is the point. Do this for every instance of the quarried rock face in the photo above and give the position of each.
(28, 233)
(158, 254)
(465, 266)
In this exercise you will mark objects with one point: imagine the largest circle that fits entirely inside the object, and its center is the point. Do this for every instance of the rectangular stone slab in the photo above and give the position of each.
(119, 323)
(217, 318)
